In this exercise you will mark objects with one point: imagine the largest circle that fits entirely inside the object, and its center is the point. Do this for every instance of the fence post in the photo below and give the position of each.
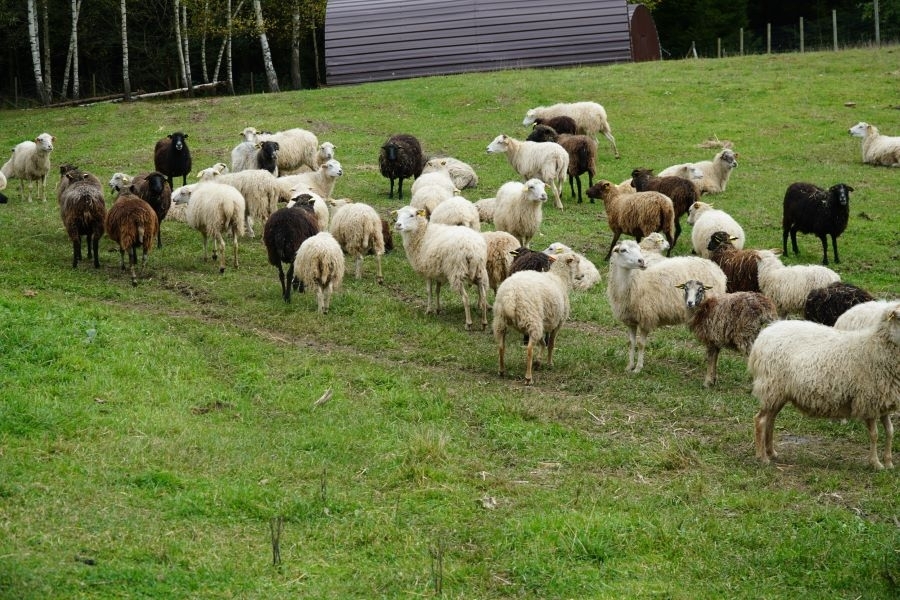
(719, 47)
(742, 41)
(768, 38)
(801, 35)
(877, 24)
(834, 28)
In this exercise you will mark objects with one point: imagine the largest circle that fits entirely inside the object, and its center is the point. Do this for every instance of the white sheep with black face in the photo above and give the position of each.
(877, 149)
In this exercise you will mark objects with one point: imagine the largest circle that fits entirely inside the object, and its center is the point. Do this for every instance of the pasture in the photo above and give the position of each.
(165, 440)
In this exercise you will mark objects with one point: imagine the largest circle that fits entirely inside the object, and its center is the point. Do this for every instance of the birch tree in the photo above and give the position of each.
(72, 55)
(45, 17)
(184, 80)
(271, 77)
(295, 45)
(36, 52)
(126, 74)
(189, 79)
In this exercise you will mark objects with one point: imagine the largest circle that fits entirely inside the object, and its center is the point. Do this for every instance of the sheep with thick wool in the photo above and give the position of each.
(83, 211)
(519, 208)
(445, 253)
(216, 210)
(826, 304)
(320, 265)
(320, 181)
(638, 214)
(561, 124)
(827, 372)
(486, 208)
(682, 192)
(862, 316)
(535, 304)
(500, 248)
(582, 151)
(705, 220)
(590, 118)
(357, 228)
(132, 224)
(153, 188)
(645, 297)
(715, 172)
(456, 210)
(547, 161)
(172, 157)
(788, 286)
(808, 208)
(400, 157)
(297, 148)
(877, 149)
(261, 190)
(30, 162)
(461, 174)
(588, 274)
(653, 246)
(740, 266)
(285, 230)
(430, 189)
(725, 321)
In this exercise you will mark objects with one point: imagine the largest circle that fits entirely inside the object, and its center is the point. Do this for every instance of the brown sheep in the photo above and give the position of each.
(130, 223)
(638, 214)
(741, 267)
(154, 189)
(83, 211)
(681, 192)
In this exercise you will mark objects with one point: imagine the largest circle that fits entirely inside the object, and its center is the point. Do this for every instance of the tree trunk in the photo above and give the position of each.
(229, 75)
(185, 39)
(126, 74)
(295, 46)
(315, 39)
(36, 53)
(48, 86)
(184, 81)
(203, 32)
(271, 77)
(72, 55)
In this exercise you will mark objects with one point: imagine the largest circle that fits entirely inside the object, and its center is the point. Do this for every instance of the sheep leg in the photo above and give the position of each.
(122, 258)
(159, 236)
(557, 200)
(500, 338)
(206, 249)
(712, 360)
(770, 429)
(76, 251)
(482, 302)
(321, 300)
(550, 341)
(529, 358)
(873, 444)
(631, 345)
(95, 246)
(641, 344)
(219, 243)
(677, 234)
(834, 247)
(379, 277)
(234, 237)
(888, 440)
(612, 141)
(824, 239)
(285, 289)
(464, 295)
(358, 266)
(132, 262)
(784, 238)
(794, 241)
(760, 429)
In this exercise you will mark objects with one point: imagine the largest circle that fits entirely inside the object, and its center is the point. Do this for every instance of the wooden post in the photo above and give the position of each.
(742, 41)
(801, 35)
(719, 47)
(834, 28)
(768, 38)
(877, 24)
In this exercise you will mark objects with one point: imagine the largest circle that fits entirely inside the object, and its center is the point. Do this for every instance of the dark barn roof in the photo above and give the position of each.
(373, 40)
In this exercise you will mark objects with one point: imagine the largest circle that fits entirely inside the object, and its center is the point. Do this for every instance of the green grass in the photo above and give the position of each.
(149, 436)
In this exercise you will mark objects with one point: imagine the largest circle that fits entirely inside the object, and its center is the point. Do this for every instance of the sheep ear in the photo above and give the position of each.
(733, 238)
(680, 286)
(421, 213)
(707, 287)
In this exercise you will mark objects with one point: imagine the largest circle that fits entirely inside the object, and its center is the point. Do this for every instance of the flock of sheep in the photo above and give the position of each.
(728, 296)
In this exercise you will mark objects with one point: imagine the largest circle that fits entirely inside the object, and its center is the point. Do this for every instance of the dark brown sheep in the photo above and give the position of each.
(824, 305)
(154, 189)
(559, 124)
(739, 266)
(401, 158)
(172, 157)
(131, 223)
(83, 211)
(283, 233)
(682, 192)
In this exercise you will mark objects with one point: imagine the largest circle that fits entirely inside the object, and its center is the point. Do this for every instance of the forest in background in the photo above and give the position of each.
(270, 45)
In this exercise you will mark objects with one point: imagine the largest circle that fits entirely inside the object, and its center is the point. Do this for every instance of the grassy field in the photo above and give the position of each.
(162, 441)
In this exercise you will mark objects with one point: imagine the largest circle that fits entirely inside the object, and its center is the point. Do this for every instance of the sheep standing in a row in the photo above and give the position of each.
(838, 375)
(547, 161)
(682, 192)
(715, 172)
(877, 149)
(172, 157)
(131, 223)
(440, 253)
(705, 220)
(285, 230)
(400, 157)
(582, 151)
(83, 212)
(30, 162)
(808, 208)
(638, 214)
(153, 188)
(357, 228)
(590, 118)
(725, 321)
(535, 304)
(519, 209)
(320, 265)
(740, 266)
(826, 304)
(216, 210)
(461, 174)
(788, 286)
(644, 298)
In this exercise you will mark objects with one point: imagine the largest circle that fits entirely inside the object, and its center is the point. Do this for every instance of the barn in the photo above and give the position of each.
(376, 40)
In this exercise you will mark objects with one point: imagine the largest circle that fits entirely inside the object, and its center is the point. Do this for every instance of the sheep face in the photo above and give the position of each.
(500, 145)
(556, 248)
(695, 210)
(119, 181)
(627, 255)
(729, 158)
(694, 292)
(45, 142)
(718, 239)
(861, 129)
(841, 193)
(333, 168)
(178, 140)
(536, 190)
(249, 134)
(655, 242)
(182, 195)
(408, 219)
(530, 117)
(326, 150)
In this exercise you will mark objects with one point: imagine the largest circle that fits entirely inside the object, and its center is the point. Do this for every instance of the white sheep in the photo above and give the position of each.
(321, 181)
(788, 286)
(324, 153)
(518, 209)
(208, 173)
(653, 246)
(588, 274)
(3, 198)
(715, 172)
(829, 373)
(877, 149)
(535, 304)
(215, 210)
(297, 148)
(462, 174)
(456, 211)
(320, 265)
(30, 161)
(644, 298)
(500, 246)
(261, 190)
(437, 178)
(442, 253)
(547, 161)
(486, 208)
(428, 197)
(867, 314)
(707, 220)
(357, 228)
(590, 118)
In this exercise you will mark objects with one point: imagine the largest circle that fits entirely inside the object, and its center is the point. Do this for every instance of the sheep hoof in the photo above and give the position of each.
(529, 381)
(468, 327)
(221, 270)
(379, 280)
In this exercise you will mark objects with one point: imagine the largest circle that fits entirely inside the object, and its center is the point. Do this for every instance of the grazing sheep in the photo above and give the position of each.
(862, 316)
(725, 321)
(588, 274)
(716, 172)
(877, 149)
(590, 118)
(461, 174)
(561, 124)
(358, 229)
(172, 157)
(518, 209)
(547, 161)
(131, 223)
(320, 265)
(83, 212)
(707, 220)
(653, 246)
(789, 286)
(740, 266)
(824, 305)
(644, 298)
(638, 214)
(262, 192)
(829, 373)
(456, 211)
(216, 210)
(153, 188)
(285, 230)
(682, 192)
(448, 253)
(582, 151)
(535, 304)
(500, 254)
(811, 209)
(400, 157)
(30, 161)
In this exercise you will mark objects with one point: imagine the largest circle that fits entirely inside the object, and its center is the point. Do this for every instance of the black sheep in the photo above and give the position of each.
(267, 157)
(172, 157)
(825, 305)
(83, 211)
(154, 189)
(283, 233)
(811, 209)
(559, 124)
(400, 158)
(682, 192)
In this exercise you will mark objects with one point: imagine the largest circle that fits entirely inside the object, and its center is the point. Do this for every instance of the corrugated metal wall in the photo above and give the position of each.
(373, 40)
